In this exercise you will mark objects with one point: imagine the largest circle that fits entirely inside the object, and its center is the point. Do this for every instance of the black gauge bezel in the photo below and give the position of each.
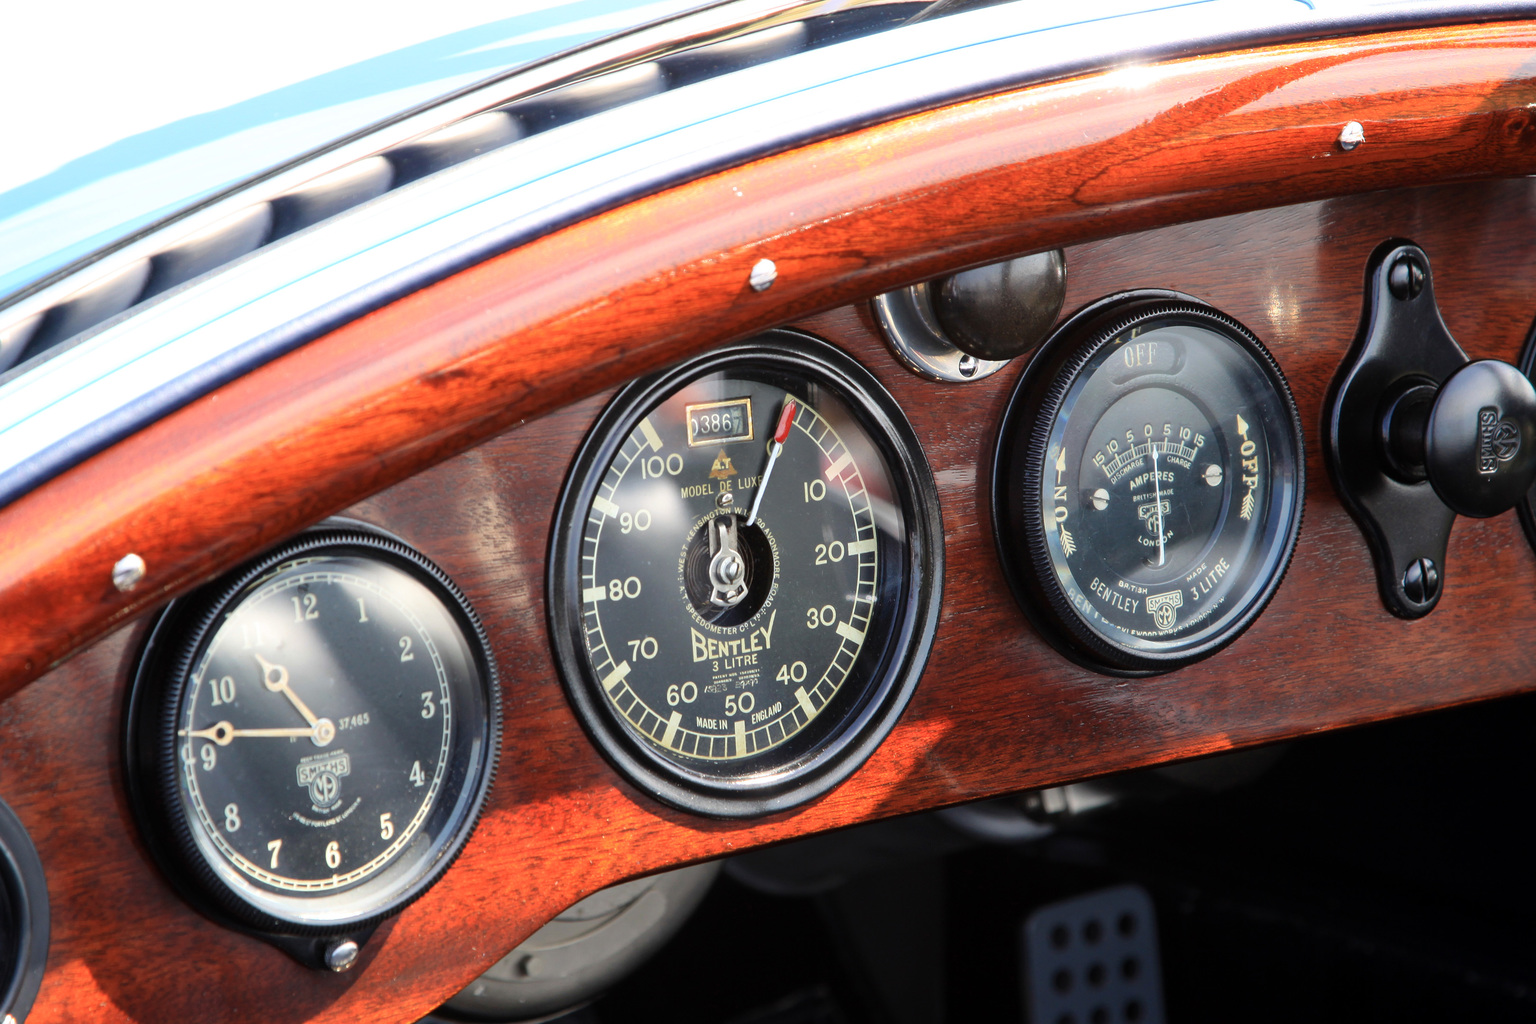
(151, 773)
(873, 709)
(1526, 507)
(1018, 462)
(24, 904)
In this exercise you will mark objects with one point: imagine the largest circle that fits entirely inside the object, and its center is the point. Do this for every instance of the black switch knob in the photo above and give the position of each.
(1476, 441)
(1004, 309)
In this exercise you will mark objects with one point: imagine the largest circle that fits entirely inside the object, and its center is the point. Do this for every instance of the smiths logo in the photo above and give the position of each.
(321, 774)
(1497, 440)
(722, 468)
(1165, 608)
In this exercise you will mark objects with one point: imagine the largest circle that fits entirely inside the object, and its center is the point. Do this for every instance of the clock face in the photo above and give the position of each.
(331, 727)
(316, 730)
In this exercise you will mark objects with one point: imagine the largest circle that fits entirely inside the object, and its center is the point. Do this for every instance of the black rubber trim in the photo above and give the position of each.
(24, 930)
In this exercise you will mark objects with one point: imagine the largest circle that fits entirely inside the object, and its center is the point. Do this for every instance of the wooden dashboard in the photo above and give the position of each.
(997, 710)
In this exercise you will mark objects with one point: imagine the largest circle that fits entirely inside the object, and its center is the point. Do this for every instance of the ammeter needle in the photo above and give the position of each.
(780, 435)
(1157, 496)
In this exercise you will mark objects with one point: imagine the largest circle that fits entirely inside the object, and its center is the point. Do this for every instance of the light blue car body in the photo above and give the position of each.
(139, 368)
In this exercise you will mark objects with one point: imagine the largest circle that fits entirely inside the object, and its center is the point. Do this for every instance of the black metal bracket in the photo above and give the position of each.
(1402, 344)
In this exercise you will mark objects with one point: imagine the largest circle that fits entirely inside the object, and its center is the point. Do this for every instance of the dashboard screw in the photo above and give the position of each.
(341, 955)
(1421, 581)
(1352, 135)
(764, 273)
(128, 572)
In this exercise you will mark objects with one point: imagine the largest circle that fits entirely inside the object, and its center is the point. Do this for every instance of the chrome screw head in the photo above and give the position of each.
(128, 572)
(764, 273)
(341, 955)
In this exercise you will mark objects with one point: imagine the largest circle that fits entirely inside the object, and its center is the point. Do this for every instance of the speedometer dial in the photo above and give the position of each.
(1148, 483)
(742, 591)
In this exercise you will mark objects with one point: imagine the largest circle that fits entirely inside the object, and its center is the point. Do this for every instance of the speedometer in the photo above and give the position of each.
(743, 587)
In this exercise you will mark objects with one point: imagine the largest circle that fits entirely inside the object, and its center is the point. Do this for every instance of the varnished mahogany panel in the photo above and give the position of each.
(997, 710)
(632, 289)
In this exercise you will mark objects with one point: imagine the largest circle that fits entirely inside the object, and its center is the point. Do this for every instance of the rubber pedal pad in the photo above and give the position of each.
(1093, 959)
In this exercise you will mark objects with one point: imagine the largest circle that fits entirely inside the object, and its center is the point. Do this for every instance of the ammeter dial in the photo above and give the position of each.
(1148, 483)
(744, 575)
(312, 738)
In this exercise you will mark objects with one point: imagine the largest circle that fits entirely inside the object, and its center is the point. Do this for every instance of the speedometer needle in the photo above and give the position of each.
(780, 435)
(1157, 496)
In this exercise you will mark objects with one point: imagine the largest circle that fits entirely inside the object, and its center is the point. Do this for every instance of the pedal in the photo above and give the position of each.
(1093, 959)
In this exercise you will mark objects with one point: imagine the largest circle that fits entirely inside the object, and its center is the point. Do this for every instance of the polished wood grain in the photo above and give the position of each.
(997, 710)
(632, 289)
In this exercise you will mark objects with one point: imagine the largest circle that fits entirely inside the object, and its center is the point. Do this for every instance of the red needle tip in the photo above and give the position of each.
(786, 417)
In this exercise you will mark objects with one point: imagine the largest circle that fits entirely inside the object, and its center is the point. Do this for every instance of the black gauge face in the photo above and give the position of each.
(1151, 469)
(326, 733)
(746, 560)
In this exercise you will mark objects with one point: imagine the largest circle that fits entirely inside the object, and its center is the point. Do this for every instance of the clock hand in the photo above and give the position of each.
(780, 435)
(322, 732)
(276, 679)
